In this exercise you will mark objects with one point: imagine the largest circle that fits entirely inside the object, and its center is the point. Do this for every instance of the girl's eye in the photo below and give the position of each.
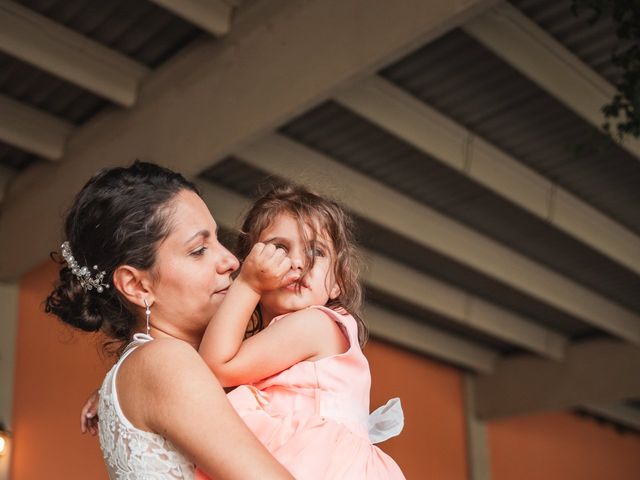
(279, 245)
(317, 252)
(199, 252)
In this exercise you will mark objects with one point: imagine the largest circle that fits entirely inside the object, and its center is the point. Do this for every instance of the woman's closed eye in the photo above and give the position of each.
(199, 252)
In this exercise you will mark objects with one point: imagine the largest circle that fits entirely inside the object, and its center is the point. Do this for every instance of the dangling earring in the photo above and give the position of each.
(147, 313)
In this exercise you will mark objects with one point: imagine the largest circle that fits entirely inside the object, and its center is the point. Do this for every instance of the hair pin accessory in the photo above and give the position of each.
(83, 273)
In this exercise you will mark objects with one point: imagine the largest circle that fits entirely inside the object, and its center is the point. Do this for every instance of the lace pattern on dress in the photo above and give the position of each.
(131, 453)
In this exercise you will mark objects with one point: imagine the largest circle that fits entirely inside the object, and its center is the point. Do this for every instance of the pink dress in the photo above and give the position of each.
(313, 417)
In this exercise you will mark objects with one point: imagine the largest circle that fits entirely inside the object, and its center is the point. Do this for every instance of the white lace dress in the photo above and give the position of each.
(131, 453)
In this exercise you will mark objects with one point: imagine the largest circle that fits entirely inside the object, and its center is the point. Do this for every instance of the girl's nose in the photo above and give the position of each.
(297, 263)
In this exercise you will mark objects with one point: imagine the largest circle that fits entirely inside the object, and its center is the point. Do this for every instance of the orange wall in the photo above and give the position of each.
(561, 446)
(432, 444)
(55, 371)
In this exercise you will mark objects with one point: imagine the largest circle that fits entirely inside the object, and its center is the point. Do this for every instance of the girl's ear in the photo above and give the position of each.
(335, 291)
(133, 284)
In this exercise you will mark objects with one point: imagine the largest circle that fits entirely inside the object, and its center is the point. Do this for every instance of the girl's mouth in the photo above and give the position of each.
(295, 286)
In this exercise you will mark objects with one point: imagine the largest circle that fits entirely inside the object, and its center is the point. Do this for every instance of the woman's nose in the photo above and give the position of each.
(227, 262)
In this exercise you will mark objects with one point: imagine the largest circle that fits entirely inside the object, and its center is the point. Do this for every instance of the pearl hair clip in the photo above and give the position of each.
(83, 273)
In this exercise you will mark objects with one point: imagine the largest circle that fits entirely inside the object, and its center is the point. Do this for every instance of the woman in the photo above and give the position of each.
(141, 255)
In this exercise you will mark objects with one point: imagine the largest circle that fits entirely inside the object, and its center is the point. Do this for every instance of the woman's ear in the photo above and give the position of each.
(133, 284)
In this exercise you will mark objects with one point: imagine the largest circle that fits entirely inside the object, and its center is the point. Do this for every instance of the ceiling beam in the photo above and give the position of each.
(227, 208)
(369, 198)
(409, 333)
(460, 307)
(32, 130)
(620, 413)
(420, 125)
(213, 16)
(593, 372)
(524, 45)
(217, 95)
(65, 53)
(6, 174)
(418, 288)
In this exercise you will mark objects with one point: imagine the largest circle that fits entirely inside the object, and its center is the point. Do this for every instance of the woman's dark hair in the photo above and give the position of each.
(319, 215)
(118, 218)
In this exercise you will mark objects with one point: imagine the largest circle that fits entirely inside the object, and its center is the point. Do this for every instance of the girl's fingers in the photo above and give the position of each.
(269, 250)
(258, 248)
(284, 265)
(274, 258)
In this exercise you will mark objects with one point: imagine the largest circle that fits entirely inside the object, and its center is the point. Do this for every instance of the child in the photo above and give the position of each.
(304, 382)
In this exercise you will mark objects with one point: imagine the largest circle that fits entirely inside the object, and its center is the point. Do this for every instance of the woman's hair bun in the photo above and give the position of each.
(70, 302)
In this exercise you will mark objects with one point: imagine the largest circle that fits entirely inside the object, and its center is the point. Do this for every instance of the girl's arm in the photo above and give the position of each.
(263, 269)
(299, 336)
(194, 413)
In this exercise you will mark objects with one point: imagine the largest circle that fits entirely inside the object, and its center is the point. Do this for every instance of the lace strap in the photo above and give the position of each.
(138, 339)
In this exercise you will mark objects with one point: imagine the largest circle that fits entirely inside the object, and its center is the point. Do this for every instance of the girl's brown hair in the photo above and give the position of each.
(318, 214)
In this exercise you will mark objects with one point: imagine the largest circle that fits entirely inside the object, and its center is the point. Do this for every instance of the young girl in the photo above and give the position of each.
(304, 381)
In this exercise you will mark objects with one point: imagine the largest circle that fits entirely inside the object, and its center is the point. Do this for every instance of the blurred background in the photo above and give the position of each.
(500, 225)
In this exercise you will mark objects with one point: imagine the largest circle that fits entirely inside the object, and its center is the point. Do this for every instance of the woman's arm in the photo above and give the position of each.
(169, 390)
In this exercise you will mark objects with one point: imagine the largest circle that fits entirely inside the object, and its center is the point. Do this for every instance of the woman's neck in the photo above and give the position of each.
(157, 332)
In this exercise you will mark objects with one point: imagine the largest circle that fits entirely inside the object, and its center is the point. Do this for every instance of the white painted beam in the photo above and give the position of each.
(620, 413)
(520, 42)
(373, 200)
(431, 341)
(213, 16)
(419, 288)
(593, 372)
(200, 106)
(32, 130)
(227, 208)
(65, 53)
(461, 307)
(420, 125)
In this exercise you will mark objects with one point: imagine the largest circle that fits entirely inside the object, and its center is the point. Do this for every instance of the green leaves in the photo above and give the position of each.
(622, 114)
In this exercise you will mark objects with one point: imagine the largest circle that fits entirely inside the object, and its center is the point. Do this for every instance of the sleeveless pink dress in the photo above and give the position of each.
(313, 416)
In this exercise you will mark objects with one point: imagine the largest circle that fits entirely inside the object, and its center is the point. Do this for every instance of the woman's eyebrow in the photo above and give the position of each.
(202, 233)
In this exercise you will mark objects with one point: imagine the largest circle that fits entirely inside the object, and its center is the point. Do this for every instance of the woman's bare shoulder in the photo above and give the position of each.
(161, 347)
(163, 368)
(162, 360)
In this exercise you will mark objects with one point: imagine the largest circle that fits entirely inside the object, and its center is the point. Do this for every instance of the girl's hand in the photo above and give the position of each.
(267, 268)
(89, 414)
